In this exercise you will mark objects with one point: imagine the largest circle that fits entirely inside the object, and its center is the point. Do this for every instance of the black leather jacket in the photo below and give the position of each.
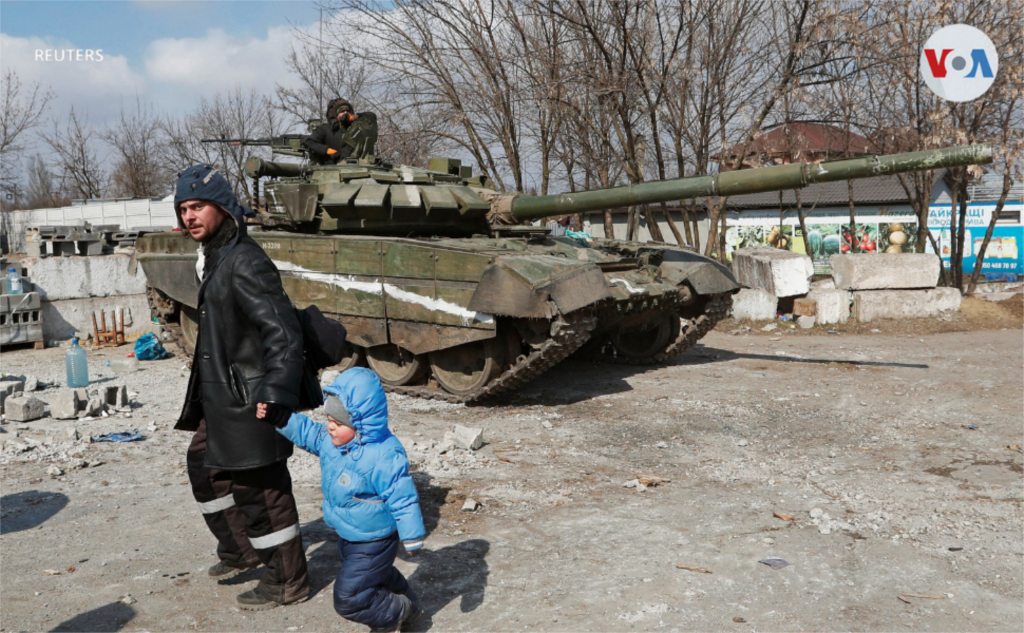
(249, 350)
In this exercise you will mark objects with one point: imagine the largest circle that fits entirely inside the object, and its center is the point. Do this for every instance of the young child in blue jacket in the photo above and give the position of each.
(369, 499)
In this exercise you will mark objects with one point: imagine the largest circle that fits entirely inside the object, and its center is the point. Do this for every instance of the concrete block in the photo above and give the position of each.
(782, 273)
(869, 305)
(804, 307)
(60, 278)
(93, 407)
(115, 396)
(754, 304)
(19, 303)
(465, 437)
(831, 306)
(24, 409)
(65, 404)
(804, 321)
(885, 271)
(7, 390)
(61, 319)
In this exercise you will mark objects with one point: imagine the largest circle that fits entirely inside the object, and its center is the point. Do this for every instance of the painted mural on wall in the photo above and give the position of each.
(831, 234)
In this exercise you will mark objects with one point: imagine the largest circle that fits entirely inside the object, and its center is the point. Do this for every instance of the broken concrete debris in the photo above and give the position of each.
(470, 506)
(465, 437)
(24, 408)
(64, 405)
(805, 322)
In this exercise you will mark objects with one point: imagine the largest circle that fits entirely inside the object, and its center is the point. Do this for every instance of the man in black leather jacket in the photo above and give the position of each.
(248, 351)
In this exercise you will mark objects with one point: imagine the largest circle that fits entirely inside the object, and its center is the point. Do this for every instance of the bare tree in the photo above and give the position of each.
(43, 188)
(21, 110)
(138, 143)
(236, 114)
(79, 165)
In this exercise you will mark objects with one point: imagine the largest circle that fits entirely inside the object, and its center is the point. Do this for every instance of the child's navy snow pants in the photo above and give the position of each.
(365, 589)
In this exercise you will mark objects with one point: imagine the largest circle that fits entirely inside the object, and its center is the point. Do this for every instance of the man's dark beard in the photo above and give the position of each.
(221, 238)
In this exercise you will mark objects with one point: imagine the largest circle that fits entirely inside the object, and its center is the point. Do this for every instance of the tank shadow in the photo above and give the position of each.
(29, 509)
(109, 617)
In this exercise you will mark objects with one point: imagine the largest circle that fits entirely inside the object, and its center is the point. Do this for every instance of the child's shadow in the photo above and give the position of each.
(451, 572)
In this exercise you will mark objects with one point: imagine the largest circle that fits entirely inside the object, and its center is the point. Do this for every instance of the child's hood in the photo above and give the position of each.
(359, 389)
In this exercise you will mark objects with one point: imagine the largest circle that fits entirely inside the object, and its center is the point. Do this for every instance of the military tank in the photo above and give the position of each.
(446, 288)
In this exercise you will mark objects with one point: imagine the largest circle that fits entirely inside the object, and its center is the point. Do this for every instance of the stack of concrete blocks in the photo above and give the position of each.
(72, 289)
(894, 285)
(768, 274)
(20, 315)
(68, 241)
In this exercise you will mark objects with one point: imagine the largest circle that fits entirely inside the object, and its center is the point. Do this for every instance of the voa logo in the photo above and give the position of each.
(959, 63)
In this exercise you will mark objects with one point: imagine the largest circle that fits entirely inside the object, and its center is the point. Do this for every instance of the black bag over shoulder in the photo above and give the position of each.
(323, 345)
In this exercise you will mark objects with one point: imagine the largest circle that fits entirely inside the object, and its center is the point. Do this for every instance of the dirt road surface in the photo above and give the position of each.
(897, 457)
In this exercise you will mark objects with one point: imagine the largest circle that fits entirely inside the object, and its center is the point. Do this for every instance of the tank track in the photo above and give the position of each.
(716, 309)
(166, 312)
(570, 332)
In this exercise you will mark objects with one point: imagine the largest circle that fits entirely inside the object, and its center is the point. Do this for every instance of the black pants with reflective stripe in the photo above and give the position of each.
(252, 514)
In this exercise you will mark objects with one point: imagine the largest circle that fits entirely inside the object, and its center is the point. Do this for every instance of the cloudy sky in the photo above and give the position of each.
(168, 52)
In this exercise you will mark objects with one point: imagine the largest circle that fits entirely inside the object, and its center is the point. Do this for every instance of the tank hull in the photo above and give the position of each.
(467, 318)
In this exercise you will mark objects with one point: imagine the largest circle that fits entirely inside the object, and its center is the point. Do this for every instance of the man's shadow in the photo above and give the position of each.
(441, 576)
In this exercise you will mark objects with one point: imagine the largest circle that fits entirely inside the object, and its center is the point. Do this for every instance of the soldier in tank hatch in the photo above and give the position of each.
(345, 134)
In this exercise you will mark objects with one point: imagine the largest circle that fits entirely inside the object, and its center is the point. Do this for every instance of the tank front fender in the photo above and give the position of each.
(707, 276)
(525, 286)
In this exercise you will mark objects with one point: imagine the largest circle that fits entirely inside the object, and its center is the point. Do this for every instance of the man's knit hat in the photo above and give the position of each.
(205, 182)
(336, 106)
(336, 410)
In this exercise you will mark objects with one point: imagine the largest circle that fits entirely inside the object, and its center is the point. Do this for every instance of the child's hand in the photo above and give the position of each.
(261, 410)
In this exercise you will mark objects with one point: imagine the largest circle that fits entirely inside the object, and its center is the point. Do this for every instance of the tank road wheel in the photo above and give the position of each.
(355, 356)
(465, 369)
(394, 365)
(647, 338)
(189, 320)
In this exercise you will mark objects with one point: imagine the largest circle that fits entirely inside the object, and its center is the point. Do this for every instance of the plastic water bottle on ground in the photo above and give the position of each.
(77, 367)
(125, 365)
(14, 283)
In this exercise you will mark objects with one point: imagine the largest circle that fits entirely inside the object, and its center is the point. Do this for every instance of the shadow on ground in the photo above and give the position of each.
(29, 509)
(109, 617)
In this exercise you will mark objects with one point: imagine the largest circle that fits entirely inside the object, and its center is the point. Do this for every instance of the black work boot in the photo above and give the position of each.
(263, 597)
(224, 570)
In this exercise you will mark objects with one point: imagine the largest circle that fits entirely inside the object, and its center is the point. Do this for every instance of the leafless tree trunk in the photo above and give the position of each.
(79, 166)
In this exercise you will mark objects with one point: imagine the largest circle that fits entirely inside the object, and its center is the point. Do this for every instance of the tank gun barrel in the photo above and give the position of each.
(256, 167)
(776, 178)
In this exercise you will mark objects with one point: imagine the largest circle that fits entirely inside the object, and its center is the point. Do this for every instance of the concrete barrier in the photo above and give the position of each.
(60, 278)
(782, 273)
(869, 305)
(754, 304)
(885, 271)
(831, 306)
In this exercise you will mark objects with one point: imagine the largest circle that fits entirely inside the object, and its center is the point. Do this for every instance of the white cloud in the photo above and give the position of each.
(218, 62)
(96, 88)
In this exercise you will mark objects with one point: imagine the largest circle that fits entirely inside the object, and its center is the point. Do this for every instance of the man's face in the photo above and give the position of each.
(345, 117)
(202, 219)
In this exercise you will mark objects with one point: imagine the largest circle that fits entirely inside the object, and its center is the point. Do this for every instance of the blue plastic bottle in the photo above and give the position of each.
(14, 283)
(78, 369)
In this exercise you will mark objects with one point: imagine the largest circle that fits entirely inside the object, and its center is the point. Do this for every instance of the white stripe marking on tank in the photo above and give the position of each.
(630, 288)
(347, 283)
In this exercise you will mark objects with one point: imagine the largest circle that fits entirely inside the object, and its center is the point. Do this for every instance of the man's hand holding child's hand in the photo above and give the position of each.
(274, 413)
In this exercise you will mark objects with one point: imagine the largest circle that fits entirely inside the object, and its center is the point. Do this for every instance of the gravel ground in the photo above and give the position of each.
(894, 460)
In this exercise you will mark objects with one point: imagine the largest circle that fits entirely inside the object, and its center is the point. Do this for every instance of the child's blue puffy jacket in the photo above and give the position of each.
(368, 492)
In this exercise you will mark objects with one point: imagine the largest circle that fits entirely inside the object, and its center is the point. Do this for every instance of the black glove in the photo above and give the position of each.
(277, 414)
